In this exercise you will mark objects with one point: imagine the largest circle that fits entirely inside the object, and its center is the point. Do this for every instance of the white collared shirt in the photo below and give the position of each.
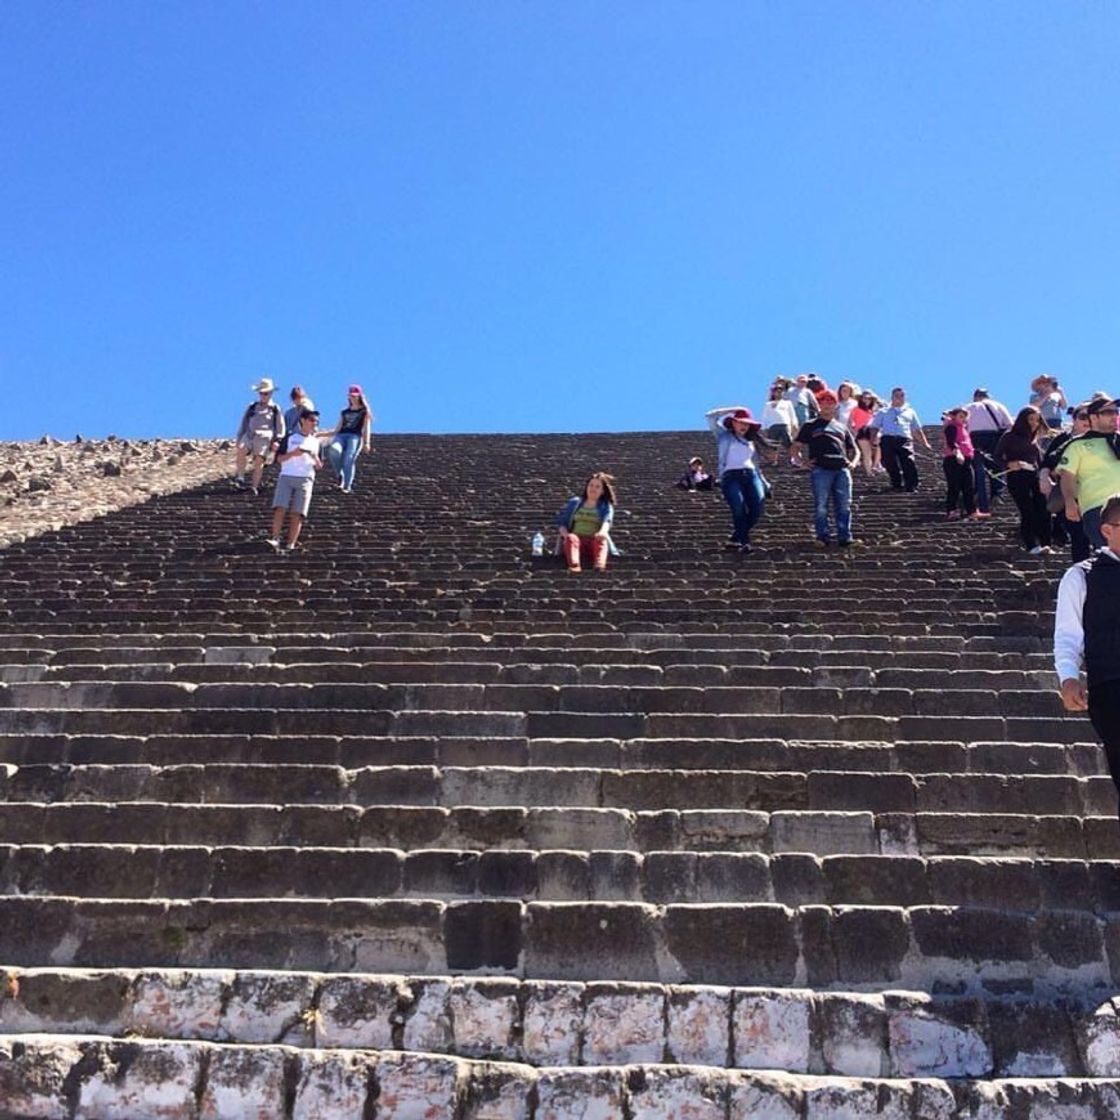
(1069, 625)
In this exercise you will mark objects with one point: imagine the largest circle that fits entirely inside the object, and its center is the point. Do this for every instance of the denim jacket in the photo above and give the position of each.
(606, 516)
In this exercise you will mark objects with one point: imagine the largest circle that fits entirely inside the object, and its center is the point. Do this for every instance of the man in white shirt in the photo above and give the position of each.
(1087, 631)
(298, 456)
(987, 421)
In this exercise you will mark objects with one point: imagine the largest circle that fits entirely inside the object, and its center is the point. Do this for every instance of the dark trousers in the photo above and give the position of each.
(898, 458)
(1034, 521)
(1104, 714)
(958, 484)
(743, 491)
(1078, 543)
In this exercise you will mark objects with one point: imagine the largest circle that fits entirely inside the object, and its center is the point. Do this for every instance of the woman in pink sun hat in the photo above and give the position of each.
(350, 438)
(740, 479)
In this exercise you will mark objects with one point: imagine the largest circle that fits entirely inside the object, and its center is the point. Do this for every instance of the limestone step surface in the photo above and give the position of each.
(87, 1076)
(894, 1034)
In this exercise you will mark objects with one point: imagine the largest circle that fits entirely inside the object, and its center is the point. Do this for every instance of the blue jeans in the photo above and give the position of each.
(743, 492)
(343, 455)
(836, 485)
(986, 488)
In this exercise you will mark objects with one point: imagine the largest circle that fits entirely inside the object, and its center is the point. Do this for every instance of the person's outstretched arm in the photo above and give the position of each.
(1069, 639)
(714, 416)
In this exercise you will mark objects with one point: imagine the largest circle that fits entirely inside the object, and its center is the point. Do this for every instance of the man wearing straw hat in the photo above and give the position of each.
(261, 430)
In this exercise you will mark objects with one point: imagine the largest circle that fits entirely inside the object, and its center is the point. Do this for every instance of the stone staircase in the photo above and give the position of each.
(407, 824)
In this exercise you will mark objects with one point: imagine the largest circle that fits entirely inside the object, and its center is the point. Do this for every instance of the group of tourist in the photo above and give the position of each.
(293, 440)
(1058, 478)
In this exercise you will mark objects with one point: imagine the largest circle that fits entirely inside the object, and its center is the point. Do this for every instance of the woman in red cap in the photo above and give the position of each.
(350, 437)
(744, 489)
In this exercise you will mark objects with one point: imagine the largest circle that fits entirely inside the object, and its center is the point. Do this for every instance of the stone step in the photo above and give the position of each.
(517, 828)
(917, 758)
(49, 1077)
(542, 724)
(965, 950)
(90, 870)
(546, 787)
(895, 689)
(831, 697)
(893, 1034)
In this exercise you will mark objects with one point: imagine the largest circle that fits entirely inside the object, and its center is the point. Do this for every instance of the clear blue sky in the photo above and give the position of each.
(548, 216)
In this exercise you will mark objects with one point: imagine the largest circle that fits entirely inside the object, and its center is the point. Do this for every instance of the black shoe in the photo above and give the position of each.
(744, 549)
(844, 544)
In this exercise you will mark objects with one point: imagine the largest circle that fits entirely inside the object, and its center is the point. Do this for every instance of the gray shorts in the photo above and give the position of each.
(257, 443)
(293, 494)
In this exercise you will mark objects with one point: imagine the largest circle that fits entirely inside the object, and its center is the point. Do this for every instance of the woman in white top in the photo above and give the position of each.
(847, 393)
(743, 486)
(779, 421)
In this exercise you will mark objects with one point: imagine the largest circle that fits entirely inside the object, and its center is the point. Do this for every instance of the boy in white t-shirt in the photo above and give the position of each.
(298, 456)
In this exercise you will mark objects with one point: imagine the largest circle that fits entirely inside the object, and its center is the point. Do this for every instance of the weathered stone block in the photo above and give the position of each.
(49, 1000)
(853, 1034)
(335, 1083)
(483, 935)
(498, 1092)
(720, 944)
(574, 941)
(551, 1022)
(623, 1024)
(418, 1087)
(179, 1004)
(1098, 1037)
(270, 1007)
(33, 1077)
(928, 1039)
(149, 1079)
(699, 1026)
(580, 1094)
(870, 943)
(771, 1029)
(678, 1094)
(427, 1023)
(484, 1016)
(358, 1011)
(243, 1084)
(765, 1097)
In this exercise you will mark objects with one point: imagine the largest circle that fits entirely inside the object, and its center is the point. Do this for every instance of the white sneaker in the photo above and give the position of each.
(1036, 551)
(274, 542)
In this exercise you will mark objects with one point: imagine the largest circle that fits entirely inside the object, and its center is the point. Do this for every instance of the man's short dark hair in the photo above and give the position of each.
(1110, 511)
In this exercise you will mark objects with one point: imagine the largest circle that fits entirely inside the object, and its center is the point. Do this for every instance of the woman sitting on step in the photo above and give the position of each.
(744, 489)
(585, 524)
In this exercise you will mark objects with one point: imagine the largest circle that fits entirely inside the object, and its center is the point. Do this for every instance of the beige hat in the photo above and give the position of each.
(264, 385)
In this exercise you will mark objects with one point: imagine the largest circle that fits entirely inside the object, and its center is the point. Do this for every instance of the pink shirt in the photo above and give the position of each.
(963, 440)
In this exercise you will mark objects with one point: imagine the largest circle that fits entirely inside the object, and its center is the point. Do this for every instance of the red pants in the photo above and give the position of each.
(593, 549)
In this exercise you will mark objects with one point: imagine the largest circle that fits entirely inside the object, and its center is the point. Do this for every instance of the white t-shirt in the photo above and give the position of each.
(778, 412)
(844, 410)
(302, 466)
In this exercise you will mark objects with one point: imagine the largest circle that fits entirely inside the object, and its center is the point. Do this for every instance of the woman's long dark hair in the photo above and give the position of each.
(608, 487)
(1022, 428)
